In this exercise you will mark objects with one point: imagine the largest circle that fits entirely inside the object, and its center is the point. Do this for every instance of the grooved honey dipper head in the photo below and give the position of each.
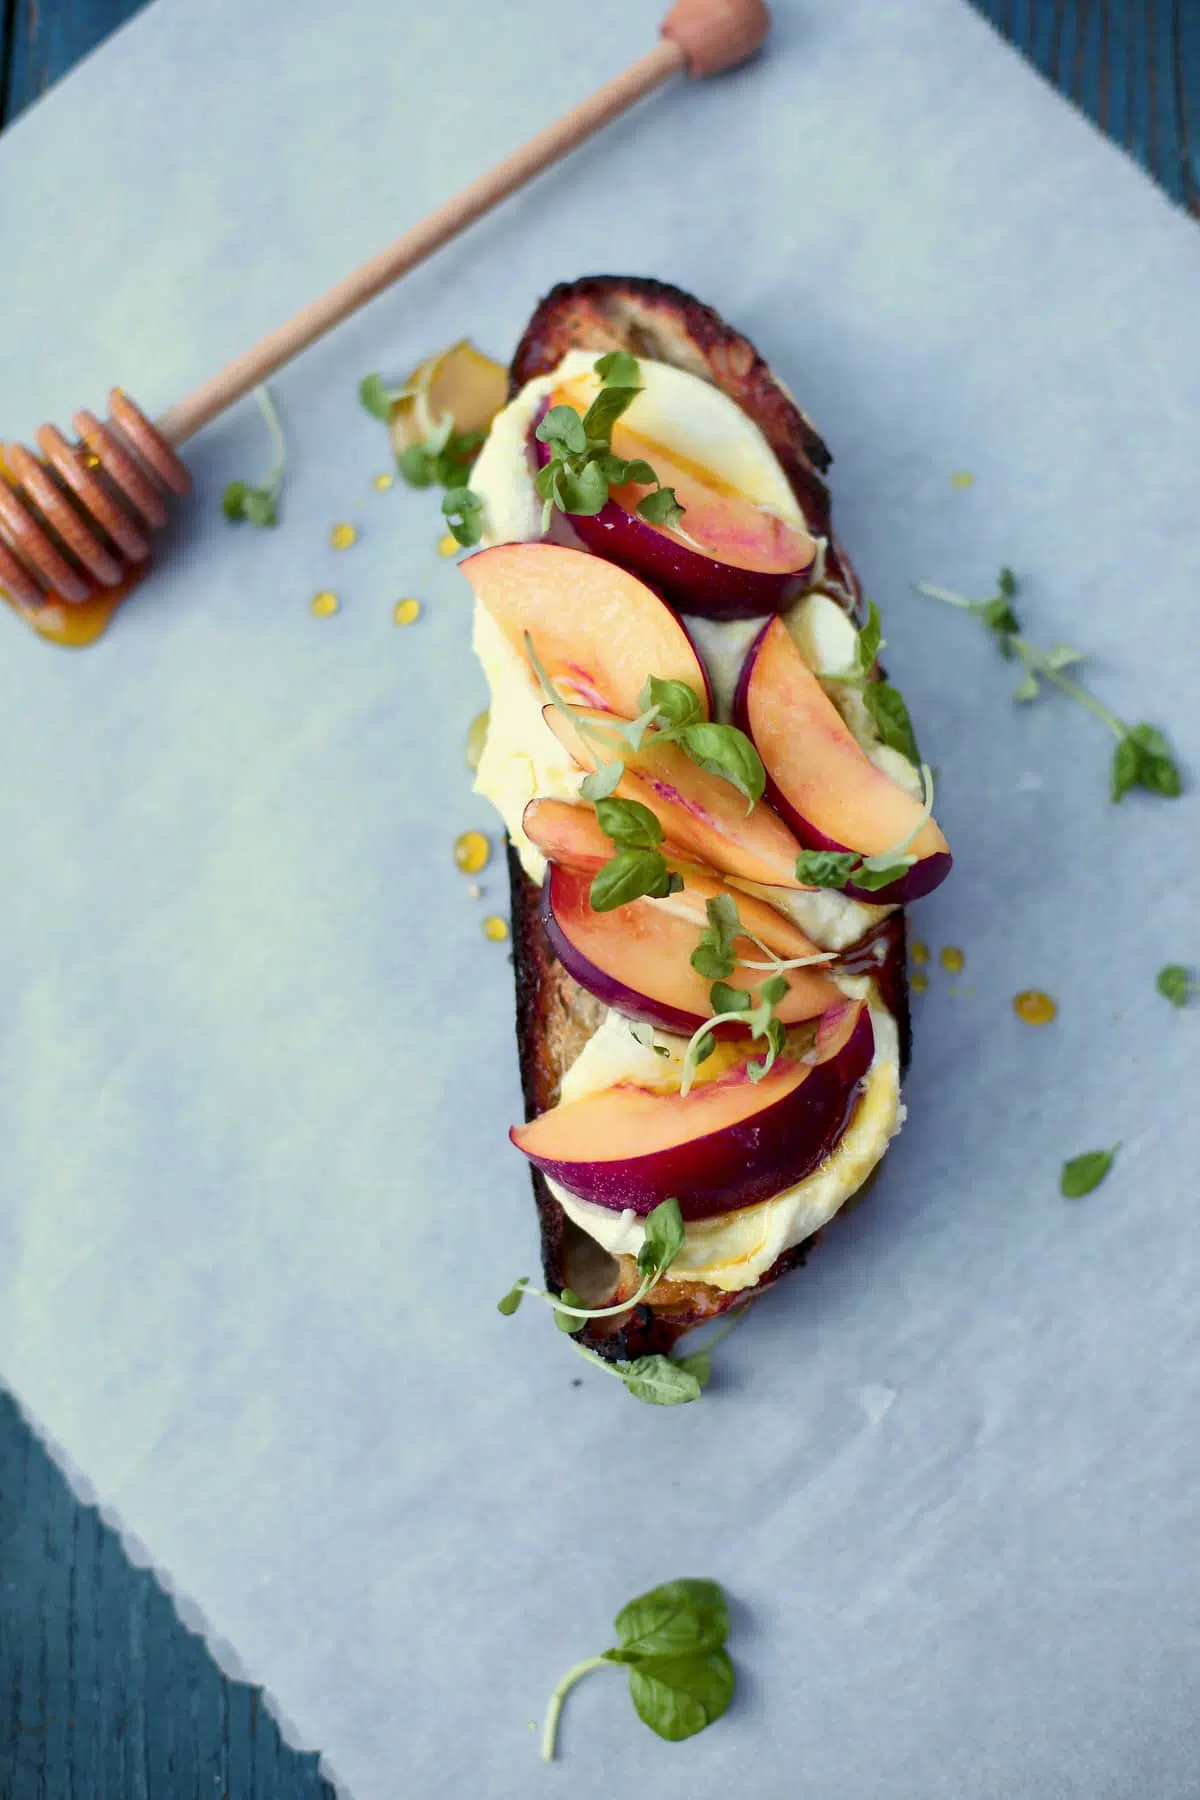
(715, 35)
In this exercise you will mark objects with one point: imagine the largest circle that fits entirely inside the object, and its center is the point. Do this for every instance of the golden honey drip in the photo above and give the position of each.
(343, 536)
(953, 960)
(962, 478)
(495, 929)
(471, 852)
(448, 545)
(74, 627)
(918, 981)
(324, 604)
(1033, 1007)
(918, 951)
(406, 612)
(382, 483)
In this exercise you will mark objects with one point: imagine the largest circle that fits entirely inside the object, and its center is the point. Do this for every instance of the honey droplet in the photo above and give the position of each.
(477, 732)
(918, 951)
(448, 544)
(918, 981)
(952, 960)
(342, 536)
(324, 604)
(406, 612)
(494, 929)
(91, 460)
(962, 478)
(1035, 1008)
(383, 482)
(471, 852)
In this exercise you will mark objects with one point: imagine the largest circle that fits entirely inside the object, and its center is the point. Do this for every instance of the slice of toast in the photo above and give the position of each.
(555, 1016)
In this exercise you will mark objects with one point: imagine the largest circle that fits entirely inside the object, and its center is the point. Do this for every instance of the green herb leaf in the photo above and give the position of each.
(417, 466)
(563, 427)
(825, 868)
(677, 1697)
(724, 750)
(259, 505)
(617, 471)
(464, 514)
(378, 399)
(1175, 983)
(605, 410)
(714, 956)
(644, 1035)
(1126, 763)
(629, 823)
(234, 500)
(886, 706)
(998, 616)
(873, 879)
(630, 875)
(675, 702)
(584, 492)
(1084, 1173)
(698, 1364)
(513, 1298)
(725, 999)
(663, 1239)
(680, 1618)
(604, 781)
(566, 1321)
(1028, 688)
(618, 369)
(658, 1381)
(870, 639)
(661, 508)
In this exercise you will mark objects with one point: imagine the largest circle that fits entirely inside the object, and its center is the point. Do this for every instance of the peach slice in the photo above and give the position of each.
(703, 815)
(820, 779)
(729, 1143)
(597, 631)
(637, 958)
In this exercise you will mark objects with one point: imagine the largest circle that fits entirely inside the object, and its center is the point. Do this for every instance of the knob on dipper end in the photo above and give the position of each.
(715, 35)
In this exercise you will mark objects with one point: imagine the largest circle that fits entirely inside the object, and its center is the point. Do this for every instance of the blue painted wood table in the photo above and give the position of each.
(104, 1694)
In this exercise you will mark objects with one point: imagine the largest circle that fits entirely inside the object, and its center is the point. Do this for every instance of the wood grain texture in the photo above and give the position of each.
(104, 1694)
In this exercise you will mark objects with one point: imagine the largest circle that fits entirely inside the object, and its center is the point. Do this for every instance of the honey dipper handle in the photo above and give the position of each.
(312, 322)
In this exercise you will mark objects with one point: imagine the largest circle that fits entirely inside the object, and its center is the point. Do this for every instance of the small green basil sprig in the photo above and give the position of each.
(639, 866)
(582, 466)
(260, 505)
(884, 702)
(1142, 757)
(672, 1642)
(1082, 1174)
(1176, 983)
(840, 868)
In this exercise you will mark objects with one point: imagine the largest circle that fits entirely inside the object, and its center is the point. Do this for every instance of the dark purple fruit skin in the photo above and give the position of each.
(919, 879)
(688, 581)
(740, 1164)
(604, 986)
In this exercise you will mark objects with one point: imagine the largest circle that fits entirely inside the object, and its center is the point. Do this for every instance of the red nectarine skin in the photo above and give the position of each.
(636, 959)
(819, 777)
(591, 624)
(726, 1145)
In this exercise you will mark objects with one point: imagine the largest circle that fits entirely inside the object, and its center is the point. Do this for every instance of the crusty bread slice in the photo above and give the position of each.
(555, 1017)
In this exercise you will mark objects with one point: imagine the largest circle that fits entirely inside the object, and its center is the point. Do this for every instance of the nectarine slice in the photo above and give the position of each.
(597, 630)
(729, 1143)
(637, 959)
(701, 814)
(819, 777)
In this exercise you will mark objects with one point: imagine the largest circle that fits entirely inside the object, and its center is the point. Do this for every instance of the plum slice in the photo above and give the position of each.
(729, 1143)
(820, 779)
(597, 630)
(702, 814)
(637, 958)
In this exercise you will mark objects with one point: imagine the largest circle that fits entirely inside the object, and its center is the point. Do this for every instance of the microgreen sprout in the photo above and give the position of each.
(260, 505)
(582, 467)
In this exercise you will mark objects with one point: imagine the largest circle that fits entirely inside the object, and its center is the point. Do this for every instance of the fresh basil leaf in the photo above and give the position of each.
(1126, 767)
(1082, 1174)
(1157, 770)
(725, 999)
(724, 750)
(1175, 984)
(464, 514)
(604, 780)
(630, 875)
(825, 868)
(677, 703)
(583, 492)
(886, 707)
(658, 1381)
(677, 1697)
(680, 1618)
(629, 823)
(699, 1364)
(513, 1298)
(661, 508)
(870, 639)
(563, 425)
(605, 410)
(564, 1320)
(872, 880)
(618, 369)
(663, 1239)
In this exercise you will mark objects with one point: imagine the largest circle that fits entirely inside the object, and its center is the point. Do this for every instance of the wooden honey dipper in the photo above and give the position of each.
(76, 523)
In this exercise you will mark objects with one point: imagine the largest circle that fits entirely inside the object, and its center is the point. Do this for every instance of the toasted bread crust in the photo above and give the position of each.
(555, 1017)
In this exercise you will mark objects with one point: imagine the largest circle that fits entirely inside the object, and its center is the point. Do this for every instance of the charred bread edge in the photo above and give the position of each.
(653, 319)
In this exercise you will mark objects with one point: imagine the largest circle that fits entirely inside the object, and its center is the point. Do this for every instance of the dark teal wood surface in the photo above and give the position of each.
(104, 1694)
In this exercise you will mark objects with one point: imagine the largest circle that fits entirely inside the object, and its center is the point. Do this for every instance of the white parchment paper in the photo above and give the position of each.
(256, 1198)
